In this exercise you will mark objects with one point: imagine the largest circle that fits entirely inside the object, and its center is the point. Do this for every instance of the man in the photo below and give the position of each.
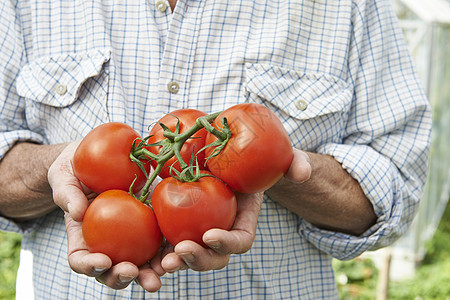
(338, 75)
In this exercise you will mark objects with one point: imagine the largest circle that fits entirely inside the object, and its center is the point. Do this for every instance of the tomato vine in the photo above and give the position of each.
(171, 146)
(247, 152)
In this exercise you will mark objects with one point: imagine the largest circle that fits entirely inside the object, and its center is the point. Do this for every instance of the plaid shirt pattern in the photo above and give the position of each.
(337, 73)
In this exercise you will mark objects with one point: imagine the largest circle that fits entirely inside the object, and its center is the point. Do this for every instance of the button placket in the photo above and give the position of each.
(179, 48)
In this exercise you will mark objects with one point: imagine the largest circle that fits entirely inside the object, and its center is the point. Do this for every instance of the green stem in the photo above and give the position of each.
(144, 152)
(202, 122)
(178, 142)
(170, 135)
(145, 189)
(176, 150)
(206, 123)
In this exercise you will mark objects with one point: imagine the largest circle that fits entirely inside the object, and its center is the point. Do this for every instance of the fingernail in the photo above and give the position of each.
(188, 257)
(174, 270)
(125, 278)
(98, 271)
(214, 244)
(68, 207)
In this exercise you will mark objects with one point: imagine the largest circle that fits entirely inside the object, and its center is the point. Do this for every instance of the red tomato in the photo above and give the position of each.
(187, 118)
(258, 153)
(121, 227)
(102, 160)
(186, 210)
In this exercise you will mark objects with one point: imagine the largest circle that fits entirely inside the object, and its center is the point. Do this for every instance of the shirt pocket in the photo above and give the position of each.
(63, 93)
(313, 107)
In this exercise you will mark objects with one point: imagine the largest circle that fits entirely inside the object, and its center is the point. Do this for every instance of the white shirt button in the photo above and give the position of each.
(61, 89)
(161, 6)
(173, 87)
(301, 104)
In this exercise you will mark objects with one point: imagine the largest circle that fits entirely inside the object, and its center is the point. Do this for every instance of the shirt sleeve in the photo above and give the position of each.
(387, 138)
(13, 125)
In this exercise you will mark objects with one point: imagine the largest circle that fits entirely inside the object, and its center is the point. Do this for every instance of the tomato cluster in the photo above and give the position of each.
(202, 159)
(116, 223)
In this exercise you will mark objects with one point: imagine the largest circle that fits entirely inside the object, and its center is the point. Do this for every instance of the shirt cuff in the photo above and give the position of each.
(10, 138)
(393, 216)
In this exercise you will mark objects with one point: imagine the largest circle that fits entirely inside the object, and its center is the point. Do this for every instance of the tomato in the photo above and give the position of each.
(258, 153)
(102, 160)
(187, 118)
(186, 210)
(123, 228)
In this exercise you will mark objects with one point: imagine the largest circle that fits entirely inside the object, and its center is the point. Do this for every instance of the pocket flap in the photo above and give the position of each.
(56, 80)
(301, 95)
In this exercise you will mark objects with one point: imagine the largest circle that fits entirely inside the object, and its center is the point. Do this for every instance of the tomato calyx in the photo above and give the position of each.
(171, 146)
(223, 135)
(191, 173)
(135, 148)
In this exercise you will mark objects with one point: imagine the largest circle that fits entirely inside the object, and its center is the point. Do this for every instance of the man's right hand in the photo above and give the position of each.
(73, 198)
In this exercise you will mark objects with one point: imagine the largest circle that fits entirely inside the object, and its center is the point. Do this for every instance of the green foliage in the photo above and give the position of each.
(9, 262)
(432, 278)
(357, 279)
(430, 282)
(438, 248)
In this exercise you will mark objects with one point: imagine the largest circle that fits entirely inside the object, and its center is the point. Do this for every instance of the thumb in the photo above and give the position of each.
(68, 192)
(300, 169)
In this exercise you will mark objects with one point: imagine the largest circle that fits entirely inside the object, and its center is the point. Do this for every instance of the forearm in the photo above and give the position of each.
(24, 189)
(330, 198)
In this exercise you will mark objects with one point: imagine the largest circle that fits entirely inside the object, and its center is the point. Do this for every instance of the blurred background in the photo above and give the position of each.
(418, 265)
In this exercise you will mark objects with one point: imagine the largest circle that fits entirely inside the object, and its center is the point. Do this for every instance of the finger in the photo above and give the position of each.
(149, 279)
(172, 263)
(240, 238)
(119, 276)
(169, 261)
(222, 243)
(200, 259)
(155, 262)
(148, 275)
(71, 199)
(80, 259)
(95, 264)
(68, 192)
(300, 169)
